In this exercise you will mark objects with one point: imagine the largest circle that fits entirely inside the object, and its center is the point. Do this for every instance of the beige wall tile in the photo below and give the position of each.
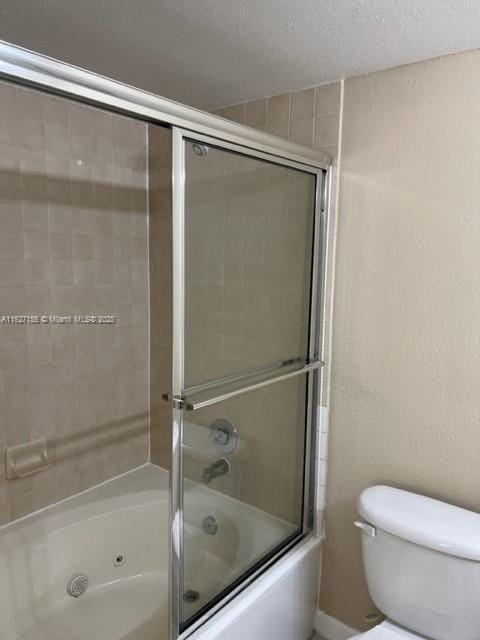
(8, 130)
(278, 115)
(30, 105)
(256, 114)
(55, 111)
(301, 131)
(302, 104)
(11, 246)
(12, 272)
(21, 505)
(36, 245)
(327, 99)
(236, 113)
(10, 217)
(326, 131)
(13, 354)
(8, 99)
(31, 134)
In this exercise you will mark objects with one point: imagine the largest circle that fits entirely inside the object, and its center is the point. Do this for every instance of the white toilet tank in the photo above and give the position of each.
(422, 562)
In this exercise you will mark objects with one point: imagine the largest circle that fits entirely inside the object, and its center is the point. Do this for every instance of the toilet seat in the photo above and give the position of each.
(388, 631)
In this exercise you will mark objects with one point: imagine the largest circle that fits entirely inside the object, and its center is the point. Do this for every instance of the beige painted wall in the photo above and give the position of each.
(406, 368)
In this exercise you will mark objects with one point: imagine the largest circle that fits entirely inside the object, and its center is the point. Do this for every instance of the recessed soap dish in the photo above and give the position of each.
(25, 459)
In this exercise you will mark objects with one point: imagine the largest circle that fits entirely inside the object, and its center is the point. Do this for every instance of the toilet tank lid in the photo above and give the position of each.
(424, 521)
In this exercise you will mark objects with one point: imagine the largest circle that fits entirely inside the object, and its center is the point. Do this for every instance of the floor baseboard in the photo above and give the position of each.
(331, 628)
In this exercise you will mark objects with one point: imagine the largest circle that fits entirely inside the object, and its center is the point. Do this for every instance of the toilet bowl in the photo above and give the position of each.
(388, 631)
(422, 564)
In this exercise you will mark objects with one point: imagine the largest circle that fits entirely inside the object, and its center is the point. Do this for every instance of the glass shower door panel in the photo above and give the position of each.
(249, 234)
(231, 521)
(249, 228)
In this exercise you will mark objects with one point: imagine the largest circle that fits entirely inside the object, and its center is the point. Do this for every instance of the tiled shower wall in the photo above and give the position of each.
(310, 117)
(73, 240)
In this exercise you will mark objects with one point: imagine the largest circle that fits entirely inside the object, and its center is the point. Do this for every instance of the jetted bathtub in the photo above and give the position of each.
(116, 534)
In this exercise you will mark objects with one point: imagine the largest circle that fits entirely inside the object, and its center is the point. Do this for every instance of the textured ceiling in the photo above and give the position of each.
(208, 53)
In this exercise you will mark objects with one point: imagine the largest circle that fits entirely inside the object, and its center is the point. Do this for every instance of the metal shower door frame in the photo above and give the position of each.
(311, 370)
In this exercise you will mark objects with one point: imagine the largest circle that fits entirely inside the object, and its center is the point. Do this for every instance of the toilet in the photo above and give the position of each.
(422, 565)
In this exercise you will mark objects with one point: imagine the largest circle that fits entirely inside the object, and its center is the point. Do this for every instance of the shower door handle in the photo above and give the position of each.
(189, 403)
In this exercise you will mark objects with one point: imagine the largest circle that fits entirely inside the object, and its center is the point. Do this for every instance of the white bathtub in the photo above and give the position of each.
(128, 517)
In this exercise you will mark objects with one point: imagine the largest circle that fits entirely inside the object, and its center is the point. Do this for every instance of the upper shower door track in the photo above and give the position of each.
(20, 65)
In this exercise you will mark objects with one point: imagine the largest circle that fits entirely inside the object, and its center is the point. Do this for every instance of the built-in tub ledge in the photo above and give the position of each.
(280, 604)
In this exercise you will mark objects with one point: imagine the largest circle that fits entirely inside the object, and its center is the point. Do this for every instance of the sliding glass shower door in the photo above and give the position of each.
(246, 244)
